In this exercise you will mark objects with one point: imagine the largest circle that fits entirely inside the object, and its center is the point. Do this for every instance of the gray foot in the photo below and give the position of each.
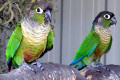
(38, 64)
(92, 68)
(27, 66)
(102, 66)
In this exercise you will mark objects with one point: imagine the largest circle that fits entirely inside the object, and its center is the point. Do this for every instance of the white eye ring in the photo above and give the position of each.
(107, 16)
(39, 10)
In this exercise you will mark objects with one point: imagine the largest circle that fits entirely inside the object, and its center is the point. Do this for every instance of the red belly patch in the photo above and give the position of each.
(30, 56)
(97, 53)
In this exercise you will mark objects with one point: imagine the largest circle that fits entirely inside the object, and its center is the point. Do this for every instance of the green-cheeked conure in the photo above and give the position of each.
(97, 42)
(32, 37)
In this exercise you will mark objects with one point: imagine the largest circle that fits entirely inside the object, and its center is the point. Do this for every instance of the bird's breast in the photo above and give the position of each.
(34, 40)
(35, 34)
(105, 36)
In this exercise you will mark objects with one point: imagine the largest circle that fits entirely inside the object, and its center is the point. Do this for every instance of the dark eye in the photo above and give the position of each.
(39, 10)
(107, 16)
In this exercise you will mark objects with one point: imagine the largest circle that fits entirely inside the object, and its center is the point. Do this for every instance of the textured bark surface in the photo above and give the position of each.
(51, 72)
(4, 35)
(113, 74)
(54, 71)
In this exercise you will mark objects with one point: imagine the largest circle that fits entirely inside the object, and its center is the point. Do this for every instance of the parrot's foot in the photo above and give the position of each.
(27, 66)
(102, 66)
(36, 62)
(93, 69)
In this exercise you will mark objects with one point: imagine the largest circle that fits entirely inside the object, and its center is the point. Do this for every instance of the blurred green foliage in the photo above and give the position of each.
(12, 11)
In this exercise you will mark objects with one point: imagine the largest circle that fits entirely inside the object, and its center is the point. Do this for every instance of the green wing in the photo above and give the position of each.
(87, 47)
(13, 42)
(50, 42)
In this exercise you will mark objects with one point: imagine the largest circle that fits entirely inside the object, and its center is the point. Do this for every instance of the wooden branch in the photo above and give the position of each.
(51, 72)
(62, 72)
(113, 74)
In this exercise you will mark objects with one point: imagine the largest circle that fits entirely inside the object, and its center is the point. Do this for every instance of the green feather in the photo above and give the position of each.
(50, 39)
(106, 23)
(88, 43)
(14, 42)
(87, 47)
(39, 17)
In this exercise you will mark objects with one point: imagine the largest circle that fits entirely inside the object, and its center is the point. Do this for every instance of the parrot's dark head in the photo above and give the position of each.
(105, 19)
(40, 12)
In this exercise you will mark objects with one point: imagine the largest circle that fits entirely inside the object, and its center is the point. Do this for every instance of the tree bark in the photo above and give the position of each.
(51, 72)
(54, 71)
(112, 74)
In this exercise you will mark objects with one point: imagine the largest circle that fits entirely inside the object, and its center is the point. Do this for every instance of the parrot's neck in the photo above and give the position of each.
(101, 30)
(34, 33)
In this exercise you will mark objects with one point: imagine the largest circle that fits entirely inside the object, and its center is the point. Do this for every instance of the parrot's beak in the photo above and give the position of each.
(48, 16)
(113, 21)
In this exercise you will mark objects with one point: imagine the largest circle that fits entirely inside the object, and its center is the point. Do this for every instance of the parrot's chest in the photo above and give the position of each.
(34, 41)
(105, 36)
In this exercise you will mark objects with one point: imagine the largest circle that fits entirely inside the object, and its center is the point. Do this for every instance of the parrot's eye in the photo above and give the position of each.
(107, 16)
(39, 10)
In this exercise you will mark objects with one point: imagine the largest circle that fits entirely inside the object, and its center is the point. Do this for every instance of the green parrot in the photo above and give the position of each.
(32, 37)
(97, 42)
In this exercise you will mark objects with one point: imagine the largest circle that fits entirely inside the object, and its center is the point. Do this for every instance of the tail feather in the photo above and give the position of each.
(9, 64)
(11, 68)
(80, 65)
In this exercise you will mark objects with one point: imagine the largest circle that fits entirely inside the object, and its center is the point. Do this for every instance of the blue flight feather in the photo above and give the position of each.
(92, 50)
(73, 62)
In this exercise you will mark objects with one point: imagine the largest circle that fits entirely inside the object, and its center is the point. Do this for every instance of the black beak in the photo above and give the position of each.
(48, 16)
(113, 21)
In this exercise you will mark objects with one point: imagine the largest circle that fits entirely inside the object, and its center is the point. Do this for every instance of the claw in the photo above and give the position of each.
(38, 64)
(27, 66)
(102, 66)
(97, 70)
(93, 69)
